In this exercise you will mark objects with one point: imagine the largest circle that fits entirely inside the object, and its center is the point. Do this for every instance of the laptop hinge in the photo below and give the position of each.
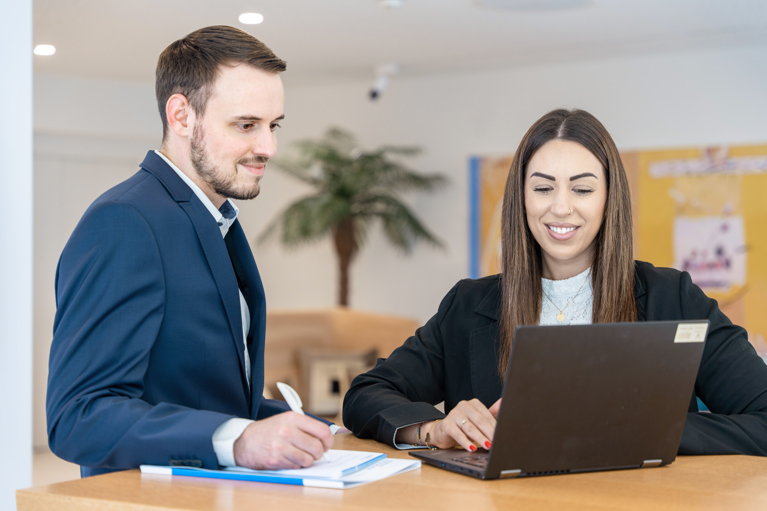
(651, 463)
(506, 474)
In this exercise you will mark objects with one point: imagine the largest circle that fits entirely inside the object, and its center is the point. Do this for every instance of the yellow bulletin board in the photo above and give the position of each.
(702, 210)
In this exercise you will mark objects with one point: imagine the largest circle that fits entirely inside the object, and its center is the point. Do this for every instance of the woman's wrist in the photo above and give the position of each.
(421, 434)
(406, 435)
(427, 433)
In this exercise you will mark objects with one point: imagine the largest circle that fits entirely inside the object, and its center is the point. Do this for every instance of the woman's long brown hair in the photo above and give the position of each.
(612, 270)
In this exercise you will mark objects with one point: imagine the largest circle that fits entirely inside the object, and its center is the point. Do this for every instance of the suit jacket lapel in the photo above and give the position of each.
(212, 244)
(257, 306)
(484, 347)
(221, 267)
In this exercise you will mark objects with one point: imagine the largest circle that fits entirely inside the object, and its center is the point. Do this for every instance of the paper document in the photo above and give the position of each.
(336, 465)
(355, 468)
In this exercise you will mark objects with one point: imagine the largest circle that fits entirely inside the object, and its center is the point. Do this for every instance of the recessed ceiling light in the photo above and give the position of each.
(44, 49)
(251, 18)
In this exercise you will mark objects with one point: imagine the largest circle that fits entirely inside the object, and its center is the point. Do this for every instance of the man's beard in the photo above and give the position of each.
(223, 183)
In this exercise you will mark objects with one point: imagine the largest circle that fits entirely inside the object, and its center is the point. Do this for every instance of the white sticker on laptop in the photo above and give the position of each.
(691, 332)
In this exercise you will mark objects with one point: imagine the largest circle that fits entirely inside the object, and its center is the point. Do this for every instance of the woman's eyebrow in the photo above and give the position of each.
(585, 174)
(544, 176)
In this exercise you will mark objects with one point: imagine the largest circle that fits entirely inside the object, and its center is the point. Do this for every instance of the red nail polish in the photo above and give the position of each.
(472, 448)
(488, 445)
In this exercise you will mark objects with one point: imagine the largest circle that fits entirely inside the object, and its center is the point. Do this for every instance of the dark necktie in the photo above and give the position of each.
(229, 213)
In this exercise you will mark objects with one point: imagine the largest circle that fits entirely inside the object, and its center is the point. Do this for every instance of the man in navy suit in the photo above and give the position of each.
(158, 344)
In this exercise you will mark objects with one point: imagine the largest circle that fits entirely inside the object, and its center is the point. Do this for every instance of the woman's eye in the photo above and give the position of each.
(542, 189)
(583, 191)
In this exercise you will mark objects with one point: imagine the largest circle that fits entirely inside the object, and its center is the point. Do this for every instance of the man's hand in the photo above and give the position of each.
(286, 440)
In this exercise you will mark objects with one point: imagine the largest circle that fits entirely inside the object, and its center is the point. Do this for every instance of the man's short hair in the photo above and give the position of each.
(190, 65)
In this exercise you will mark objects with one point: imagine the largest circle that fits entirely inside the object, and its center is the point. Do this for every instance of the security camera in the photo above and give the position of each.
(378, 87)
(382, 74)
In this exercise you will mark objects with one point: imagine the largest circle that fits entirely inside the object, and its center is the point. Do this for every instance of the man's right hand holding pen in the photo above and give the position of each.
(286, 440)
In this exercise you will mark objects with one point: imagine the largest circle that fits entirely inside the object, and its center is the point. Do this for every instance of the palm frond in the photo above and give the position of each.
(372, 172)
(400, 178)
(361, 229)
(298, 170)
(400, 150)
(335, 146)
(307, 220)
(400, 225)
(340, 139)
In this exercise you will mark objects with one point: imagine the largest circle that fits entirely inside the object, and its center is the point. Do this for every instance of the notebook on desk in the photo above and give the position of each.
(581, 398)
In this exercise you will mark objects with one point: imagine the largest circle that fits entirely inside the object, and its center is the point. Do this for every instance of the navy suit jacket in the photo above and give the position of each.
(147, 358)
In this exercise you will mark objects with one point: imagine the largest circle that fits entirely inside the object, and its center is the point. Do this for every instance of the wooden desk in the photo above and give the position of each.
(699, 483)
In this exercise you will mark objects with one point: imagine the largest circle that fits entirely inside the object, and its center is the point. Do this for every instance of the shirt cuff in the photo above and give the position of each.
(225, 436)
(406, 446)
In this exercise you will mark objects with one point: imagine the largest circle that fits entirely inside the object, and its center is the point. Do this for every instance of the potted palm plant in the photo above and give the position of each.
(353, 189)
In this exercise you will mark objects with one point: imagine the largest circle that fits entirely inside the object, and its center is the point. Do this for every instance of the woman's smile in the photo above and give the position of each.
(561, 232)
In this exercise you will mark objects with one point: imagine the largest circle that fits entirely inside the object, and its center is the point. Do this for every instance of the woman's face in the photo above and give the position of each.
(565, 195)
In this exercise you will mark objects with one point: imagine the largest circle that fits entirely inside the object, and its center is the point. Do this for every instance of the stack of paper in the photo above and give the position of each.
(340, 469)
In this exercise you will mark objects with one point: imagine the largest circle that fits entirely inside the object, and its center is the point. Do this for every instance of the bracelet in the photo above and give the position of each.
(428, 436)
(418, 435)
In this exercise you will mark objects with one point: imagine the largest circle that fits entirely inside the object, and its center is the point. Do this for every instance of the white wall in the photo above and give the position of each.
(676, 99)
(16, 211)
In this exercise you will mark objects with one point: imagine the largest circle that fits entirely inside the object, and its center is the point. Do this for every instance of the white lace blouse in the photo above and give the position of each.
(575, 291)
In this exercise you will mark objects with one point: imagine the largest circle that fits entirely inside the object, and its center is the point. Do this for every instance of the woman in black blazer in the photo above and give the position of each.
(567, 258)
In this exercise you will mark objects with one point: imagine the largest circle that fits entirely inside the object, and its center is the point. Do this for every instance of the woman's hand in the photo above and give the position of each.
(470, 424)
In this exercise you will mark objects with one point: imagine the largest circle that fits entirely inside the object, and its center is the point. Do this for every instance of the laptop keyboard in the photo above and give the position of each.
(475, 460)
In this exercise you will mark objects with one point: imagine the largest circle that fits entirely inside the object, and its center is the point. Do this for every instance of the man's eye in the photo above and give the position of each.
(275, 126)
(246, 126)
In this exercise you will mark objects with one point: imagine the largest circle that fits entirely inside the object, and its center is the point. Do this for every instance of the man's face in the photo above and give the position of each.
(232, 142)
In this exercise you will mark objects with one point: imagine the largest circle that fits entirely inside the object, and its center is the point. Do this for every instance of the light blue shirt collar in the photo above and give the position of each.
(223, 223)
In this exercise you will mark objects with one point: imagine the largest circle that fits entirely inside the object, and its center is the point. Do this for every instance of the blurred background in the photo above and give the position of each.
(461, 79)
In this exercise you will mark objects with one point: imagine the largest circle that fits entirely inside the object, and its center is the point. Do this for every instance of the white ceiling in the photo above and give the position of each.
(339, 39)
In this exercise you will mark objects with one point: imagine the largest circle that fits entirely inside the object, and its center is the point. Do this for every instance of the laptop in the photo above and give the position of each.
(581, 398)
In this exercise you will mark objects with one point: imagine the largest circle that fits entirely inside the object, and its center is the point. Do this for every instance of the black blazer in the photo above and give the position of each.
(453, 357)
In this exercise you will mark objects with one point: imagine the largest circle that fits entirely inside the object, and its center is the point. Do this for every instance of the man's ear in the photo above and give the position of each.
(180, 115)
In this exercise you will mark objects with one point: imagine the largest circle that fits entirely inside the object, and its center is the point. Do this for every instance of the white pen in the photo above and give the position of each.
(293, 400)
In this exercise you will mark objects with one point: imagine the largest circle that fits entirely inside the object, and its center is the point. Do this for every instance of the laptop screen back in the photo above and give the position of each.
(596, 397)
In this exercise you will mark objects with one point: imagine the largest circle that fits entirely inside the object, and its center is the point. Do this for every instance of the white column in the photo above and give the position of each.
(16, 193)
